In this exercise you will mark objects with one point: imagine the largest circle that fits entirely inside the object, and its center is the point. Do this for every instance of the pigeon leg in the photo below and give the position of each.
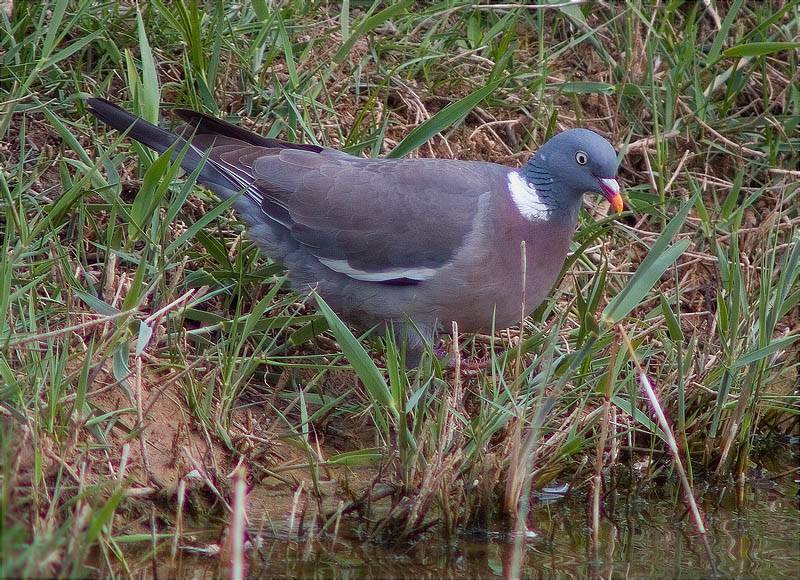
(417, 337)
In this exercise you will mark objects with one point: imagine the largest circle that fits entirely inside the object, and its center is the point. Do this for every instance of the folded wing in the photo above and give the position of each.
(381, 220)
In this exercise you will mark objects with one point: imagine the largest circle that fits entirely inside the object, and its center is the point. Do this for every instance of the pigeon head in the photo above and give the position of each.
(572, 163)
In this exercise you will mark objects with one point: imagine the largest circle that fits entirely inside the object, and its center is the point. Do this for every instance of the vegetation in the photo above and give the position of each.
(147, 348)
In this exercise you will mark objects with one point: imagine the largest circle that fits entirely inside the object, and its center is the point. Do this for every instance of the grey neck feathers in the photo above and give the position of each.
(563, 206)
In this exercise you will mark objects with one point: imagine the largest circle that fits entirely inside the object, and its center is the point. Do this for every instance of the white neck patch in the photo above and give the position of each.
(526, 198)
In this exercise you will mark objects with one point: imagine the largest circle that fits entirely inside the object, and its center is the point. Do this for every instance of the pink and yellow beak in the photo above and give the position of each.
(611, 191)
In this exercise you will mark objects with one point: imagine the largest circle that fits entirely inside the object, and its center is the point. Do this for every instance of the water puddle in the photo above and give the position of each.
(755, 535)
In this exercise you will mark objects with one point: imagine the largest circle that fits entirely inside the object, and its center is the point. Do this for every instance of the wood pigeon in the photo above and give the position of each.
(411, 243)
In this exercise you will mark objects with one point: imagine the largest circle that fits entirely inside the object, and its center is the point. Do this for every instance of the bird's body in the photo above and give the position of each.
(472, 281)
(393, 240)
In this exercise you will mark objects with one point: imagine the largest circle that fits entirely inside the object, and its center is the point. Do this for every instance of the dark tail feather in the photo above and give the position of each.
(121, 120)
(207, 125)
(158, 139)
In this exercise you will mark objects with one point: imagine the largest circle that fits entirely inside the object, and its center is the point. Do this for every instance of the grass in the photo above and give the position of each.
(143, 338)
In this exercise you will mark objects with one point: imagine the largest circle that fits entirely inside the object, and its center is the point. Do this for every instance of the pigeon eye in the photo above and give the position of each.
(581, 158)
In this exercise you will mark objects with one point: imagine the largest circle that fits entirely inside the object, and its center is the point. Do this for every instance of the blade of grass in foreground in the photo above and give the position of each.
(759, 48)
(149, 90)
(655, 407)
(368, 24)
(450, 115)
(365, 367)
(658, 259)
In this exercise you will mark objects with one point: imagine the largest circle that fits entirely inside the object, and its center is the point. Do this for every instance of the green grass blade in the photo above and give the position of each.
(448, 116)
(369, 24)
(365, 367)
(357, 458)
(658, 259)
(760, 353)
(642, 282)
(722, 33)
(151, 192)
(190, 232)
(151, 92)
(759, 49)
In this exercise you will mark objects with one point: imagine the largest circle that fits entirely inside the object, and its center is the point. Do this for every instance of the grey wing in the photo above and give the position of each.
(393, 221)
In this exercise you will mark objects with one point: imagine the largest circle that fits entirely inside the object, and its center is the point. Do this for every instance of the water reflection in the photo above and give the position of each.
(753, 536)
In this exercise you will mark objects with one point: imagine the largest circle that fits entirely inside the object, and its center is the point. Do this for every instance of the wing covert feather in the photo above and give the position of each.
(364, 217)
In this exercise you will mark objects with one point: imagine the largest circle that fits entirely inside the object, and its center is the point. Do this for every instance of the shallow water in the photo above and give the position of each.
(754, 536)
